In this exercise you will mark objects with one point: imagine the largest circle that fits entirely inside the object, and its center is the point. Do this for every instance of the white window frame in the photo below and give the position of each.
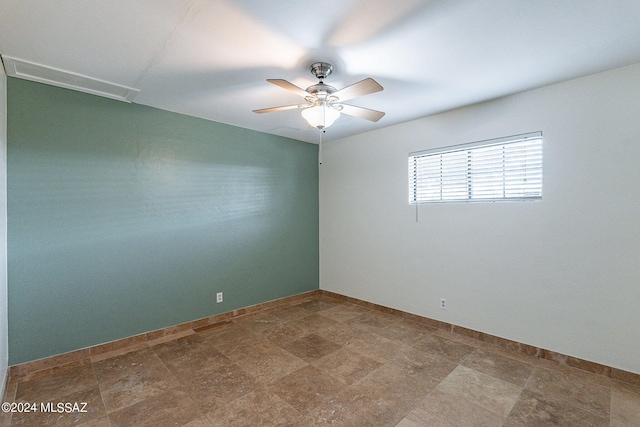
(501, 169)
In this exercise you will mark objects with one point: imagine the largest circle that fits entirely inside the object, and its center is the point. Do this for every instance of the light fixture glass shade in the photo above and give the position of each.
(320, 116)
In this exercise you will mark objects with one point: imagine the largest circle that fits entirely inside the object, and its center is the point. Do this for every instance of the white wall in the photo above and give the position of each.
(4, 344)
(562, 273)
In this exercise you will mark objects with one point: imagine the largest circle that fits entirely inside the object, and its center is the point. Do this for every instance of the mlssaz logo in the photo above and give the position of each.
(63, 407)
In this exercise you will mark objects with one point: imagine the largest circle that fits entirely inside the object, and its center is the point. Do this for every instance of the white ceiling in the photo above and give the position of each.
(210, 59)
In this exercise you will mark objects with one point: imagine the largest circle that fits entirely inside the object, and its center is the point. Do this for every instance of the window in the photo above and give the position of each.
(499, 169)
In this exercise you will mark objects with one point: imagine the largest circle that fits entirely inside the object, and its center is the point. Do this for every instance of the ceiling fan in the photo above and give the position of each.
(324, 103)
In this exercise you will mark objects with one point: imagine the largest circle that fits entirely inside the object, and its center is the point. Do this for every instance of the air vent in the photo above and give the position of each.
(40, 73)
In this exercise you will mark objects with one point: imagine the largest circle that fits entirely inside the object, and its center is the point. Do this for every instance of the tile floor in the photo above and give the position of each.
(323, 362)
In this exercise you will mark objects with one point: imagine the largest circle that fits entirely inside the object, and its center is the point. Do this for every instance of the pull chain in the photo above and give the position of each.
(320, 147)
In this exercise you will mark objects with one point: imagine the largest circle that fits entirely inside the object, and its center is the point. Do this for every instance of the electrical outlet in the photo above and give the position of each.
(443, 303)
(219, 297)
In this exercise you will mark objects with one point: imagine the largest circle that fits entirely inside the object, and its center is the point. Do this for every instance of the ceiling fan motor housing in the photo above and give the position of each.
(322, 92)
(321, 69)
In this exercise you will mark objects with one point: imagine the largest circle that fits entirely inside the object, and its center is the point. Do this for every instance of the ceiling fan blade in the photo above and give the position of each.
(363, 113)
(283, 108)
(363, 87)
(289, 86)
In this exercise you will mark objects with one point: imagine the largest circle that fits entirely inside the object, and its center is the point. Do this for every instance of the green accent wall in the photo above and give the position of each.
(124, 219)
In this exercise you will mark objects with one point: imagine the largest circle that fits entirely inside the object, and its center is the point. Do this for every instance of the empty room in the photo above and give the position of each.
(342, 213)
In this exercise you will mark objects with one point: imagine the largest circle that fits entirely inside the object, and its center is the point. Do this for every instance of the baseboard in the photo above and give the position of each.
(541, 353)
(28, 368)
(16, 372)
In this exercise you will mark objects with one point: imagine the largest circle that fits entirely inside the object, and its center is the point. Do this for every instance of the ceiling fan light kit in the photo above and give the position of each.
(324, 102)
(320, 116)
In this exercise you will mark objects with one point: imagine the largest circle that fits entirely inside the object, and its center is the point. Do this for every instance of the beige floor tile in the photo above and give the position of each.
(442, 347)
(355, 406)
(405, 331)
(86, 407)
(372, 321)
(398, 387)
(219, 331)
(344, 409)
(382, 419)
(5, 417)
(377, 347)
(458, 338)
(358, 405)
(588, 378)
(575, 390)
(344, 334)
(226, 383)
(57, 382)
(307, 387)
(497, 366)
(191, 356)
(9, 396)
(283, 332)
(419, 364)
(535, 410)
(315, 322)
(269, 366)
(625, 405)
(344, 312)
(238, 341)
(170, 408)
(382, 398)
(449, 410)
(258, 408)
(144, 383)
(347, 365)
(311, 347)
(494, 395)
(315, 306)
(260, 322)
(125, 364)
(100, 422)
(180, 347)
(290, 313)
(406, 422)
(334, 417)
(200, 422)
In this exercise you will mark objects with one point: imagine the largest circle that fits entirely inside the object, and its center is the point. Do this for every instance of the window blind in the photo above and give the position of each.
(500, 169)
